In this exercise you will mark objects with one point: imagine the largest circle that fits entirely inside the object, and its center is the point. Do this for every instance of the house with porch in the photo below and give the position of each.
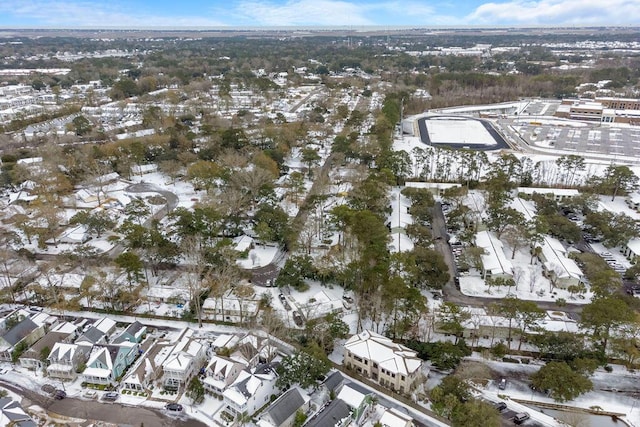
(220, 373)
(36, 356)
(148, 369)
(252, 389)
(184, 361)
(64, 360)
(107, 363)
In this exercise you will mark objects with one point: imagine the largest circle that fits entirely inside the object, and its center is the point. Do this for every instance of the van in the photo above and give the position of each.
(520, 417)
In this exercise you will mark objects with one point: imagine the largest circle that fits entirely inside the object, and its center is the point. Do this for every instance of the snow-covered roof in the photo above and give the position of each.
(394, 418)
(105, 325)
(634, 246)
(556, 261)
(393, 357)
(494, 260)
(563, 192)
(183, 353)
(225, 341)
(352, 396)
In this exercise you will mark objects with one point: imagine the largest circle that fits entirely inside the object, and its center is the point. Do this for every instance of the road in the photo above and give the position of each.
(98, 411)
(451, 292)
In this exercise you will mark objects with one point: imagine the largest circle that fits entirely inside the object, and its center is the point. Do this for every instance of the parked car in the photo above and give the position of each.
(521, 417)
(60, 394)
(297, 318)
(502, 384)
(110, 396)
(501, 406)
(90, 394)
(174, 407)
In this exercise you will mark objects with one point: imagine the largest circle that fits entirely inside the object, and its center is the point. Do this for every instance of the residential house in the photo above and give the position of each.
(147, 369)
(64, 360)
(107, 363)
(231, 308)
(394, 418)
(35, 357)
(252, 389)
(90, 337)
(632, 250)
(133, 333)
(282, 412)
(377, 357)
(557, 194)
(23, 332)
(321, 304)
(559, 268)
(335, 414)
(220, 373)
(96, 333)
(105, 325)
(494, 261)
(253, 349)
(184, 361)
(12, 414)
(350, 407)
(333, 384)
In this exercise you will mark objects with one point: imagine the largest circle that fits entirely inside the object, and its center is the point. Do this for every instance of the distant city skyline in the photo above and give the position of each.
(323, 13)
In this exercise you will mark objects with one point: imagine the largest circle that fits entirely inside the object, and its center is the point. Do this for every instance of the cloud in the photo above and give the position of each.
(301, 12)
(90, 14)
(554, 12)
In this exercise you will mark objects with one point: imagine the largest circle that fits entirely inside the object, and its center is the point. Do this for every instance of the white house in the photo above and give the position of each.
(220, 373)
(494, 261)
(184, 361)
(64, 359)
(252, 389)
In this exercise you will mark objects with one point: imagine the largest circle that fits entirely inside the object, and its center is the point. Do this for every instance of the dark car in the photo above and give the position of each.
(60, 394)
(502, 384)
(501, 406)
(297, 318)
(110, 396)
(174, 407)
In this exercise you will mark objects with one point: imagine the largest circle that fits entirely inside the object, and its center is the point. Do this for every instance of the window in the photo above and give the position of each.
(366, 362)
(375, 365)
(402, 377)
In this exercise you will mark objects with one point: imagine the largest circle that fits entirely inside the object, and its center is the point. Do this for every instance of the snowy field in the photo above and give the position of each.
(458, 131)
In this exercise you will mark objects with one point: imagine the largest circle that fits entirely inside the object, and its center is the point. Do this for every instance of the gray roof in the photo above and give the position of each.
(49, 340)
(334, 381)
(336, 410)
(92, 335)
(20, 331)
(131, 331)
(285, 406)
(20, 418)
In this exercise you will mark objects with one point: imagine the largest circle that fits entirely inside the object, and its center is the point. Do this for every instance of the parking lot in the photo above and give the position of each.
(580, 137)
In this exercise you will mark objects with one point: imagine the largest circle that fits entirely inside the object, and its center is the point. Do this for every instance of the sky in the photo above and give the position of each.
(320, 13)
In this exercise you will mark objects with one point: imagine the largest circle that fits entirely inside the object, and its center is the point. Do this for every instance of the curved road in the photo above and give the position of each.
(97, 411)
